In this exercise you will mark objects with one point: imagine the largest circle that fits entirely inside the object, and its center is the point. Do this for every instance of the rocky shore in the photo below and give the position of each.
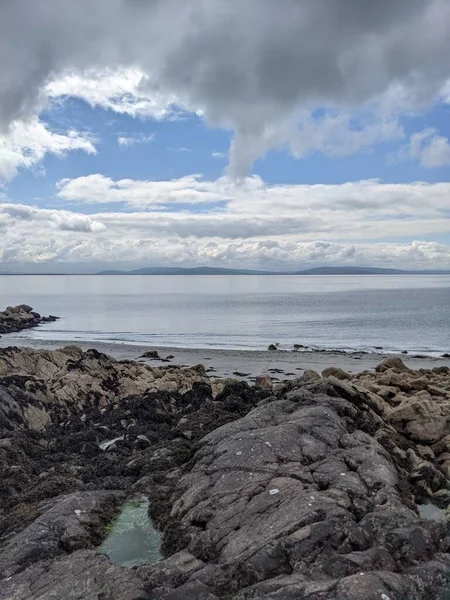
(312, 488)
(16, 318)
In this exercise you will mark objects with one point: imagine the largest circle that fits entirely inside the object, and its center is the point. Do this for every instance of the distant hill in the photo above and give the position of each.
(314, 271)
(352, 271)
(185, 271)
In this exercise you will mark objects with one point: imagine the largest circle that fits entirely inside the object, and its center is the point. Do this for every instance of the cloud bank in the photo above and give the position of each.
(191, 221)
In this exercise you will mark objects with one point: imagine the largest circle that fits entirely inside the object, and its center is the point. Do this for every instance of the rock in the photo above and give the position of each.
(443, 445)
(17, 318)
(25, 308)
(391, 363)
(308, 489)
(428, 473)
(36, 418)
(69, 380)
(425, 452)
(421, 420)
(419, 383)
(272, 347)
(336, 372)
(84, 574)
(287, 503)
(441, 498)
(65, 527)
(142, 441)
(173, 571)
(153, 354)
(441, 370)
(436, 391)
(310, 375)
(263, 382)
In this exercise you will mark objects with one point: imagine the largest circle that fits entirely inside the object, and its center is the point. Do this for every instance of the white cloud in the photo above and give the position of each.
(426, 147)
(98, 189)
(216, 154)
(180, 149)
(125, 141)
(26, 144)
(430, 148)
(121, 90)
(354, 210)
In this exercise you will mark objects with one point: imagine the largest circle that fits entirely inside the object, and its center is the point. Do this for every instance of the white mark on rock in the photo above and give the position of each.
(274, 491)
(268, 444)
(238, 453)
(384, 597)
(78, 511)
(342, 473)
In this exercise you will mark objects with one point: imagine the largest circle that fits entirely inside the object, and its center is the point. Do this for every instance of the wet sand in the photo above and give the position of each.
(239, 364)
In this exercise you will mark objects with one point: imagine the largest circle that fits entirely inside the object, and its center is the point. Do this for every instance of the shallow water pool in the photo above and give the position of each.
(430, 512)
(132, 539)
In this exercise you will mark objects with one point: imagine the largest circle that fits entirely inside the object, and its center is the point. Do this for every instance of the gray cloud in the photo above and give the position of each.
(247, 65)
(61, 220)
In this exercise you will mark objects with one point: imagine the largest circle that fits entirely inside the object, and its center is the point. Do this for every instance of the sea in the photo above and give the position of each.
(336, 312)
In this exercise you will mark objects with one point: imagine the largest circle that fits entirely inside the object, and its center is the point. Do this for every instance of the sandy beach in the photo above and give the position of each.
(239, 364)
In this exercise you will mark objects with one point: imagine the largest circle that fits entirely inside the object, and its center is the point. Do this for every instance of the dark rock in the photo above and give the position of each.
(152, 354)
(25, 308)
(17, 318)
(82, 575)
(291, 499)
(67, 526)
(272, 347)
(299, 491)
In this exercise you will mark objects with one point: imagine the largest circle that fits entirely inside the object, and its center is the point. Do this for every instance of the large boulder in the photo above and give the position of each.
(336, 372)
(393, 362)
(421, 420)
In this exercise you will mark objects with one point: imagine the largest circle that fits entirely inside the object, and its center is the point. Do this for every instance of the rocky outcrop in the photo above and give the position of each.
(307, 489)
(53, 385)
(84, 575)
(16, 318)
(72, 523)
(304, 497)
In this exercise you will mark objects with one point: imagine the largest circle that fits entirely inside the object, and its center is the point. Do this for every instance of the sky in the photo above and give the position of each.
(250, 134)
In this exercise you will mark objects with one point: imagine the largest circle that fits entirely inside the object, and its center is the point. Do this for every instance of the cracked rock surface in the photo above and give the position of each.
(307, 490)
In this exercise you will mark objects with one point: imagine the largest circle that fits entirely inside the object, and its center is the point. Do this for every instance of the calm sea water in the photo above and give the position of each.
(250, 312)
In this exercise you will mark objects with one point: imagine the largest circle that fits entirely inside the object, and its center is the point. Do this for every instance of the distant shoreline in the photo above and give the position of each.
(217, 271)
